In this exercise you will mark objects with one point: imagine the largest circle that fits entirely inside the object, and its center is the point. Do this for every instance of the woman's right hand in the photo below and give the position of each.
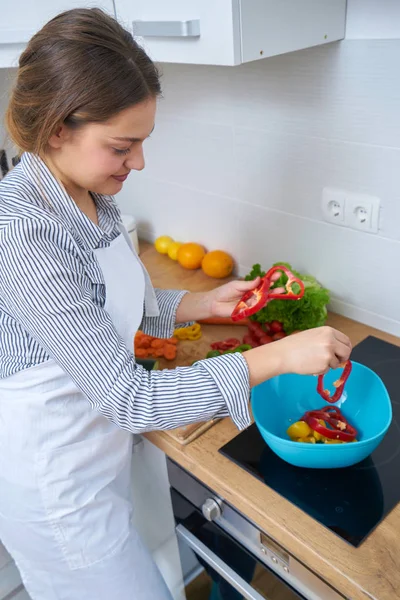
(310, 352)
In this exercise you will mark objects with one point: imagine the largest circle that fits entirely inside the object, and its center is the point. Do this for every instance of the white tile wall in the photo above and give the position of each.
(240, 156)
(6, 79)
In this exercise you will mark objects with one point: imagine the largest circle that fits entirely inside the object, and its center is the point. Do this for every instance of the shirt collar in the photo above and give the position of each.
(54, 197)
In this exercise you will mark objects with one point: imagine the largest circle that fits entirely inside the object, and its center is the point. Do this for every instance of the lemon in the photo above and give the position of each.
(162, 243)
(173, 250)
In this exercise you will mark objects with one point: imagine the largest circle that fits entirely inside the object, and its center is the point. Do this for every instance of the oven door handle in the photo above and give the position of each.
(218, 565)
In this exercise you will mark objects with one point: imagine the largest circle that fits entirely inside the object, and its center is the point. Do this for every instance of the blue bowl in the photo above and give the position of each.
(279, 402)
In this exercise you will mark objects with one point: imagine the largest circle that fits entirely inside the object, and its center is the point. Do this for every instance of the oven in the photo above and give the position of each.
(240, 560)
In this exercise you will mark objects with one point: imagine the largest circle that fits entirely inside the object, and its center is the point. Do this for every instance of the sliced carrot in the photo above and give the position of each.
(141, 352)
(172, 340)
(170, 352)
(157, 343)
(145, 343)
(157, 352)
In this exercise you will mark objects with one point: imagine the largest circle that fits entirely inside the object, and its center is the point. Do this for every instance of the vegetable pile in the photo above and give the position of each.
(325, 426)
(306, 313)
(149, 346)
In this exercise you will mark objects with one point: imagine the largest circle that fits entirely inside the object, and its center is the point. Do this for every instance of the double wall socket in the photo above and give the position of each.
(357, 211)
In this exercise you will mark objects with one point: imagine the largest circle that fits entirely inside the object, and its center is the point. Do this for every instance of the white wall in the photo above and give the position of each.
(374, 19)
(240, 156)
(6, 78)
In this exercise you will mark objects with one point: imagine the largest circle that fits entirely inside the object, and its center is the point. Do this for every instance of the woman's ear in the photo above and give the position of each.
(59, 137)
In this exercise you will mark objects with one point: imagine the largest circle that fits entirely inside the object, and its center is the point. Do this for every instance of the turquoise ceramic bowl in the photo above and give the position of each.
(281, 401)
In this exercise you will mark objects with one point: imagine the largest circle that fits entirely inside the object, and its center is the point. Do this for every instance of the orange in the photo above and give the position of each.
(218, 264)
(190, 255)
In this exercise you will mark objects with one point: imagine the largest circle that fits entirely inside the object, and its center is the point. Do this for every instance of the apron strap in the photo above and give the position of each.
(150, 299)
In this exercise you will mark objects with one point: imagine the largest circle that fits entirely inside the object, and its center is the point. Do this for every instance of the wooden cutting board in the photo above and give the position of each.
(166, 273)
(185, 435)
(189, 352)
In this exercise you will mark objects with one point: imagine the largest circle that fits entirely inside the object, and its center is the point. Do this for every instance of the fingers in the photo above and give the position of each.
(341, 337)
(275, 276)
(244, 286)
(279, 290)
(342, 352)
(334, 363)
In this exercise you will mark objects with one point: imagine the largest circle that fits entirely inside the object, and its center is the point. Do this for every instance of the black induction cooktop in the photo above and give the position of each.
(351, 502)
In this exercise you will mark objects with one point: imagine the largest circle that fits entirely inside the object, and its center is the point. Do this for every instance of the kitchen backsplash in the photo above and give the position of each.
(240, 156)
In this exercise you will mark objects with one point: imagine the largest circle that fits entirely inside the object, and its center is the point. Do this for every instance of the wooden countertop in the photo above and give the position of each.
(370, 571)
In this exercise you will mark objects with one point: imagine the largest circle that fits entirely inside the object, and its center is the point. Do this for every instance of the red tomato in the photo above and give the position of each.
(279, 336)
(266, 339)
(276, 327)
(248, 339)
(256, 329)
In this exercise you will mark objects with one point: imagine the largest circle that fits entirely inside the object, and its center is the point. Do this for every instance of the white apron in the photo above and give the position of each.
(65, 506)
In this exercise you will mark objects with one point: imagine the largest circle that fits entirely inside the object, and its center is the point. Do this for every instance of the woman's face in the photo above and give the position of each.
(99, 156)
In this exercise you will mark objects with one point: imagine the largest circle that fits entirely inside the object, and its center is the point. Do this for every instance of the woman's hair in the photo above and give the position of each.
(81, 67)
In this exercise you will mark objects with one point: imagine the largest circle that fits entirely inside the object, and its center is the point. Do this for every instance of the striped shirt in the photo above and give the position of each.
(52, 297)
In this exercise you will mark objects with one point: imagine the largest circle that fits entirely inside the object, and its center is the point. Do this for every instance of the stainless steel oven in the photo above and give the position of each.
(241, 560)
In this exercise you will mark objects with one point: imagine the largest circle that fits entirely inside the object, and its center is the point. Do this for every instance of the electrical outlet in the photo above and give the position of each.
(333, 205)
(362, 212)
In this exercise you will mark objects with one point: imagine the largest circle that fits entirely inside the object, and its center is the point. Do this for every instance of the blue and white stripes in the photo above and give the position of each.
(51, 306)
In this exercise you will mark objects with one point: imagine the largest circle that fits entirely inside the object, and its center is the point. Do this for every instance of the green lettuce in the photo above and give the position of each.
(294, 315)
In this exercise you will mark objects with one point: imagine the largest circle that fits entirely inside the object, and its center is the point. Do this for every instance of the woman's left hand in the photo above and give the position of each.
(224, 298)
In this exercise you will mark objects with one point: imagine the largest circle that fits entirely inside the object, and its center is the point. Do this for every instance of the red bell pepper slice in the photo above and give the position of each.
(252, 301)
(287, 293)
(340, 428)
(339, 384)
(256, 299)
(228, 344)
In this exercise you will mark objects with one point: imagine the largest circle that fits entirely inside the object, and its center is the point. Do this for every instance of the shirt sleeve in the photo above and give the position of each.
(163, 326)
(45, 288)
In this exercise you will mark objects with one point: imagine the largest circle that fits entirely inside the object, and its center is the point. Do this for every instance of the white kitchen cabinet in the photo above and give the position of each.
(20, 21)
(230, 32)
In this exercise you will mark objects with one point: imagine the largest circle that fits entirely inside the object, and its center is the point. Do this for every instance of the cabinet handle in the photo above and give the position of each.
(218, 565)
(15, 36)
(167, 28)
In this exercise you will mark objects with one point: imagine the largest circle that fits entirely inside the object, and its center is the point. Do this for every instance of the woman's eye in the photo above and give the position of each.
(121, 152)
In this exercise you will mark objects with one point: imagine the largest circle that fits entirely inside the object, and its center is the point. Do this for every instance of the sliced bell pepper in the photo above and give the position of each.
(256, 299)
(252, 301)
(340, 428)
(228, 344)
(213, 353)
(287, 293)
(339, 384)
(241, 348)
(192, 332)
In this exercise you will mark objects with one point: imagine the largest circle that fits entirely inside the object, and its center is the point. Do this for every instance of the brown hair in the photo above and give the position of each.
(82, 66)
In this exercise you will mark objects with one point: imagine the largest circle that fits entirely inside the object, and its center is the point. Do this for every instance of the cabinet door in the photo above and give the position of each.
(18, 24)
(185, 31)
(269, 28)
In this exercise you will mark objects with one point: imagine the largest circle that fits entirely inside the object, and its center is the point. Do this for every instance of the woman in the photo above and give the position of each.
(72, 295)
